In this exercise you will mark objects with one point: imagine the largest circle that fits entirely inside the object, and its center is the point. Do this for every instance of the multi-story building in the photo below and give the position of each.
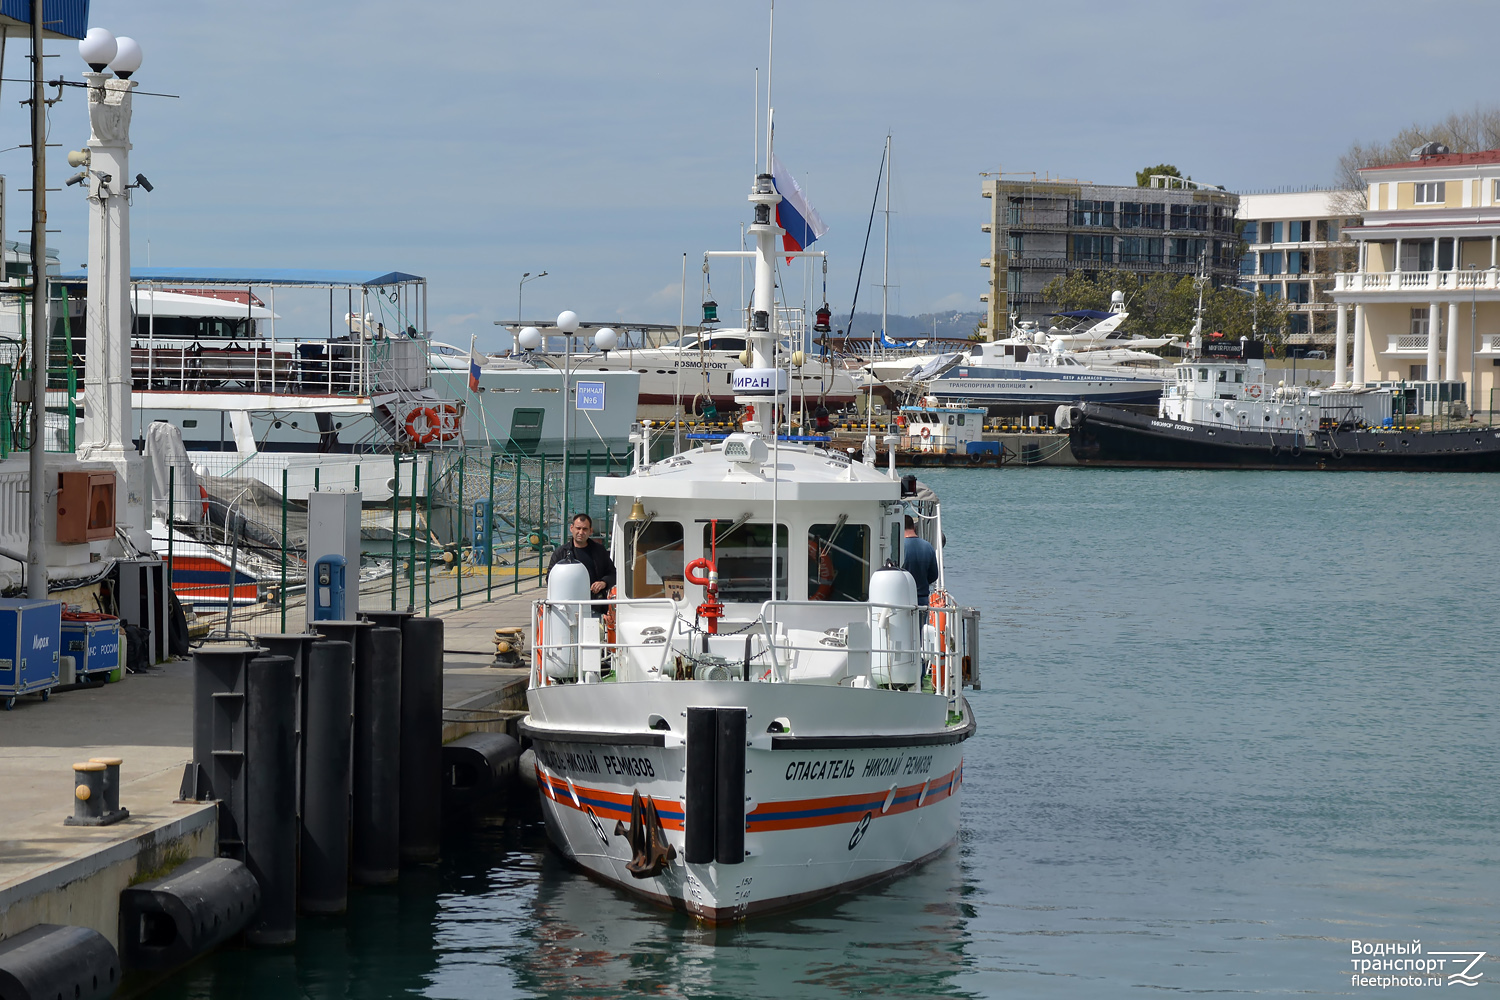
(1296, 245)
(1426, 295)
(1040, 229)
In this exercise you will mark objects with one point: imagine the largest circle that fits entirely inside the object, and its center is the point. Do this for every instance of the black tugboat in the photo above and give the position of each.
(1221, 412)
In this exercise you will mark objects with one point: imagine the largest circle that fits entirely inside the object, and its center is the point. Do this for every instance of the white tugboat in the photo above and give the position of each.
(759, 717)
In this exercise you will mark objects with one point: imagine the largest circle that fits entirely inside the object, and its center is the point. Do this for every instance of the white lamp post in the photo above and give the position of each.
(567, 322)
(106, 161)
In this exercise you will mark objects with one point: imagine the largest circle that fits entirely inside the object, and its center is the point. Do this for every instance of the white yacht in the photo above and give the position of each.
(762, 716)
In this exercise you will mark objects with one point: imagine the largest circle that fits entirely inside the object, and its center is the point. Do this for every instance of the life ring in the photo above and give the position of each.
(818, 555)
(703, 564)
(926, 433)
(450, 421)
(1253, 390)
(429, 427)
(203, 494)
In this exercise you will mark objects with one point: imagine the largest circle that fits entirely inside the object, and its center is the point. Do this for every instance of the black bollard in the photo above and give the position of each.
(327, 682)
(271, 797)
(421, 740)
(376, 801)
(388, 619)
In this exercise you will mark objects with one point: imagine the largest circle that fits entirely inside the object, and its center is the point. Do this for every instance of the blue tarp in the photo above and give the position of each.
(242, 277)
(61, 18)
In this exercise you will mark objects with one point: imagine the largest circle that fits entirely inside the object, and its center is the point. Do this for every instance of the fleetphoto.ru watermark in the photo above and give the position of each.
(1387, 964)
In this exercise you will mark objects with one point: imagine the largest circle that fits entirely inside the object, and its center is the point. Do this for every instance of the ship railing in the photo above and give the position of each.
(570, 638)
(937, 634)
(339, 367)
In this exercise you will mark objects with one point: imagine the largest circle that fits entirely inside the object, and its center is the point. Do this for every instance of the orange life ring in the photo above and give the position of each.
(926, 433)
(430, 426)
(450, 421)
(203, 493)
(703, 564)
(817, 554)
(1253, 390)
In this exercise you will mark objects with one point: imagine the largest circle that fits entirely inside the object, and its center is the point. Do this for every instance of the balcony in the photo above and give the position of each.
(1410, 344)
(1418, 281)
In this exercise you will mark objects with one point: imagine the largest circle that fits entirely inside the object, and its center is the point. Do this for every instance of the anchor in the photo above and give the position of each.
(649, 849)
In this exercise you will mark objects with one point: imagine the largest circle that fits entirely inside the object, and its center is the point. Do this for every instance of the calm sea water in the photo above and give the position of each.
(1229, 722)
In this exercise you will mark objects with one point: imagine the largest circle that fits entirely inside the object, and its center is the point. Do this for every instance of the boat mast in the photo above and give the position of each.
(885, 267)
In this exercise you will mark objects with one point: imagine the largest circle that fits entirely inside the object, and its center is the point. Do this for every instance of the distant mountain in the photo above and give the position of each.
(946, 324)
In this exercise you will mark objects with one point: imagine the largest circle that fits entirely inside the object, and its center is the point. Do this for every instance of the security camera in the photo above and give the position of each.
(140, 181)
(78, 178)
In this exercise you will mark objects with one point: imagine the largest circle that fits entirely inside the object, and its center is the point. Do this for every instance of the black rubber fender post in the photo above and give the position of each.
(421, 823)
(477, 769)
(698, 823)
(729, 787)
(323, 881)
(376, 800)
(271, 796)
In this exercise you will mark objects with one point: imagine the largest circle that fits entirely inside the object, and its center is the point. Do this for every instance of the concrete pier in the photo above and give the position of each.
(51, 873)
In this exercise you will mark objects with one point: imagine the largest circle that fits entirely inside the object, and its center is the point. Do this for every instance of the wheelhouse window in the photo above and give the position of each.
(744, 561)
(653, 560)
(838, 562)
(1431, 192)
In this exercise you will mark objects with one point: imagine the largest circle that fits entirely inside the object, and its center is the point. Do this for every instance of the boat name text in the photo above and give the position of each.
(580, 763)
(817, 770)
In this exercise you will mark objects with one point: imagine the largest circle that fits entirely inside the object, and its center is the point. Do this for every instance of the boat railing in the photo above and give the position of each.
(337, 367)
(569, 642)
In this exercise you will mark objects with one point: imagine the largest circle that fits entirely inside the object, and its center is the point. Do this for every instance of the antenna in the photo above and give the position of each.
(755, 131)
(770, 68)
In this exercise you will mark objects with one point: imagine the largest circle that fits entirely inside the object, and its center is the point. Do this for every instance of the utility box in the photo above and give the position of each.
(85, 506)
(94, 644)
(30, 641)
(326, 592)
(483, 532)
(333, 519)
(142, 601)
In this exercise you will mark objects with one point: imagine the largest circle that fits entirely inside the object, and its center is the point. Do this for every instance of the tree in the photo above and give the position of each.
(1163, 305)
(1462, 132)
(1143, 177)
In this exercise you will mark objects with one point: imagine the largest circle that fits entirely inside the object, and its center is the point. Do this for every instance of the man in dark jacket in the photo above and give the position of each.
(919, 559)
(583, 549)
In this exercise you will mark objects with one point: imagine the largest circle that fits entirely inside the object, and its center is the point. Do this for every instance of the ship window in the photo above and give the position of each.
(838, 557)
(1223, 375)
(1202, 374)
(190, 423)
(745, 561)
(1239, 376)
(653, 560)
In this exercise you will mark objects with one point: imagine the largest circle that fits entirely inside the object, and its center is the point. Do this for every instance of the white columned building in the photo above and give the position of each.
(1426, 295)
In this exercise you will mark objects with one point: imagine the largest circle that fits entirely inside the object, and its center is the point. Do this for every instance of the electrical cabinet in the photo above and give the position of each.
(85, 506)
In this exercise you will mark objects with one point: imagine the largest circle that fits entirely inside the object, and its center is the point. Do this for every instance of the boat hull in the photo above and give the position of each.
(824, 813)
(1108, 435)
(988, 387)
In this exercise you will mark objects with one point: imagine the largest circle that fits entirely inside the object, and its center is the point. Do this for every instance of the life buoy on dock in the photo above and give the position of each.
(422, 424)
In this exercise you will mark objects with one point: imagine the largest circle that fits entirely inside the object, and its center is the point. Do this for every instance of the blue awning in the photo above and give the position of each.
(244, 277)
(1085, 314)
(61, 18)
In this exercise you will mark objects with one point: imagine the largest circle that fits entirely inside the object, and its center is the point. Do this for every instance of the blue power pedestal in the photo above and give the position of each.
(328, 588)
(484, 532)
(30, 640)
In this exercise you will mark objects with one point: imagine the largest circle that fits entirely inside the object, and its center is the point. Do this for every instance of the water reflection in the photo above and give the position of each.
(907, 937)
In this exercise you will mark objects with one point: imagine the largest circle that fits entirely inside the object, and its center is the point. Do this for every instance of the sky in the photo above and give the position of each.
(470, 142)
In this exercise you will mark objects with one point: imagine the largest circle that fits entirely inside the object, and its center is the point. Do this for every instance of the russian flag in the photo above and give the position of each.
(475, 362)
(801, 221)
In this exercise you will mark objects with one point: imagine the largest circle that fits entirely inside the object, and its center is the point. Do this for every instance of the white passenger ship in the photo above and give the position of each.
(759, 719)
